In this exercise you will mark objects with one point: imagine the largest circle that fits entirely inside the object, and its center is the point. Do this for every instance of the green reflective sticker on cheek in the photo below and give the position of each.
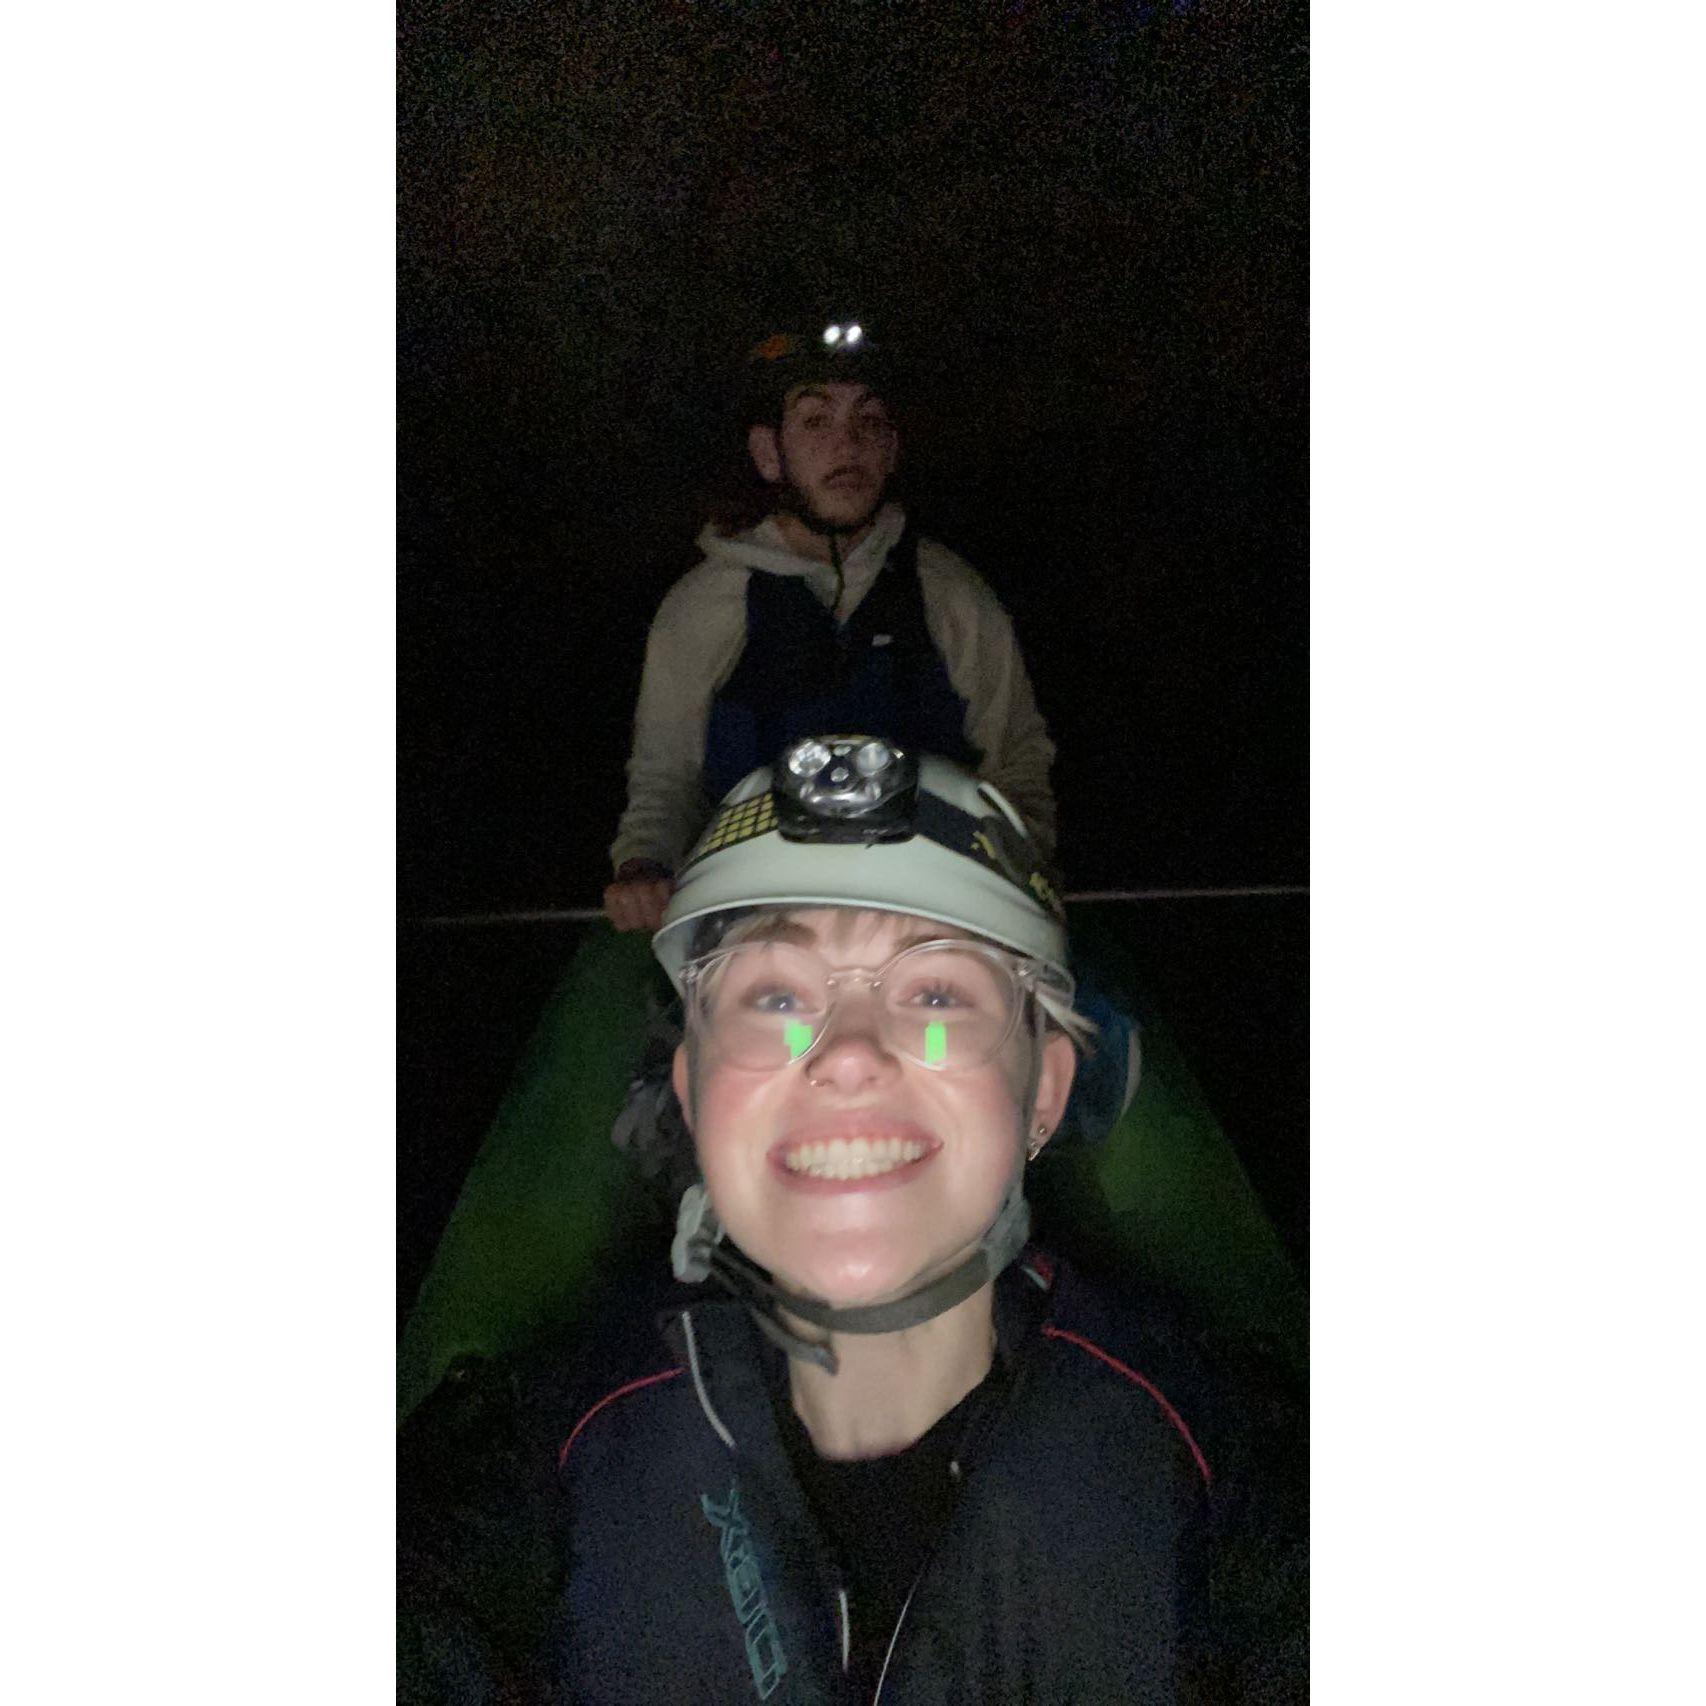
(799, 1039)
(935, 1042)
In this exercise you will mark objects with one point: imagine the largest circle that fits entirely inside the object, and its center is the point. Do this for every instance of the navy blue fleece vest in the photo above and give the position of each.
(804, 673)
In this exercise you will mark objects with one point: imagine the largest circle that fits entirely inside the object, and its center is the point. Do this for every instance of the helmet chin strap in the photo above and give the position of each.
(796, 504)
(698, 1253)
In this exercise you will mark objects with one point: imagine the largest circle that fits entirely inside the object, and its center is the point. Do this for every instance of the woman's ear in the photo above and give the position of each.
(682, 1078)
(761, 444)
(1054, 1081)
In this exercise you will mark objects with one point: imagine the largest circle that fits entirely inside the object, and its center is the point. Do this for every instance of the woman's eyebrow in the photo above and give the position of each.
(803, 935)
(919, 938)
(785, 930)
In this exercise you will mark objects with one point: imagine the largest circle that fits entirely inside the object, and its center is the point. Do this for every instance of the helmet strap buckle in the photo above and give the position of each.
(697, 1234)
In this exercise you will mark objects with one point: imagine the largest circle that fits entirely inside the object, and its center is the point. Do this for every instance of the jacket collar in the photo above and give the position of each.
(763, 547)
(729, 1361)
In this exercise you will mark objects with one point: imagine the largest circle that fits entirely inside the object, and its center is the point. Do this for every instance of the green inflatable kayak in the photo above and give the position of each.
(549, 1196)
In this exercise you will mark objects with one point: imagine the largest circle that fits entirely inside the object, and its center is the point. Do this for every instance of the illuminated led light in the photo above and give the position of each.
(808, 758)
(800, 1039)
(935, 1043)
(832, 334)
(871, 757)
(855, 333)
(822, 779)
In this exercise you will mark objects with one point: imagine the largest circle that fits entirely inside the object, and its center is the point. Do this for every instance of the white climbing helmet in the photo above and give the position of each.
(852, 820)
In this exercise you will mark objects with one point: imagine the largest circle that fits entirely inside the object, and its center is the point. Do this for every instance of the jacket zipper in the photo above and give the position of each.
(956, 1474)
(882, 1676)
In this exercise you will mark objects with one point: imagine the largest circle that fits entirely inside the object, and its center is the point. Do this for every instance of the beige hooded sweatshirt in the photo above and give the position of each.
(699, 633)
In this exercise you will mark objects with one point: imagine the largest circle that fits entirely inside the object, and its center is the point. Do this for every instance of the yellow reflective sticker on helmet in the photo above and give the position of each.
(1046, 892)
(738, 823)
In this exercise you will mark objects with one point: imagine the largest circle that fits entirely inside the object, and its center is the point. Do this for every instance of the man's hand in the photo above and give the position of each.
(635, 901)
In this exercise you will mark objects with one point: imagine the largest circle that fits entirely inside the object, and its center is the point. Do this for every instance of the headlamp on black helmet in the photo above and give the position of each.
(840, 352)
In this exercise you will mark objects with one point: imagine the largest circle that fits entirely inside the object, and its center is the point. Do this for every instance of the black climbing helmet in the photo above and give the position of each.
(840, 351)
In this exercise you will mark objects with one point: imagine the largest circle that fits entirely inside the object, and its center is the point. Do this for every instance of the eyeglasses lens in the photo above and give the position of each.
(764, 1004)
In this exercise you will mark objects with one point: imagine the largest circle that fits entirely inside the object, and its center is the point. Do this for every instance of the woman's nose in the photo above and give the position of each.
(852, 1052)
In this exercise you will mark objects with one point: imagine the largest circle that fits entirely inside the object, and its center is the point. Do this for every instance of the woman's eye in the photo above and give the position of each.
(935, 996)
(775, 998)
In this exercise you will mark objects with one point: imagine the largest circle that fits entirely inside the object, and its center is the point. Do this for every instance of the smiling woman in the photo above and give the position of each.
(866, 1155)
(908, 1455)
(912, 1011)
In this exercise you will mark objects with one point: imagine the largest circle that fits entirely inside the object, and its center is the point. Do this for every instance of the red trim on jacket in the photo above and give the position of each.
(610, 1398)
(1131, 1374)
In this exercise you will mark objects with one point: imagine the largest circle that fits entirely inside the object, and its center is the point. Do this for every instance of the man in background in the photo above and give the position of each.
(832, 612)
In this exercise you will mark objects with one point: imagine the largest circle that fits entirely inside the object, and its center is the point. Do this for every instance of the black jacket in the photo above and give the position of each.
(1114, 1535)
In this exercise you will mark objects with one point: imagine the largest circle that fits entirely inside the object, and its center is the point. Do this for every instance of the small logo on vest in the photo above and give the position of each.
(746, 1589)
(882, 639)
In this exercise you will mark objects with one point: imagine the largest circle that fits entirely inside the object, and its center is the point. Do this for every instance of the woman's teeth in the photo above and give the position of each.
(856, 1158)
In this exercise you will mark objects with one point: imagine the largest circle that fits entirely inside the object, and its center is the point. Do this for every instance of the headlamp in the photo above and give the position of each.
(845, 788)
(822, 352)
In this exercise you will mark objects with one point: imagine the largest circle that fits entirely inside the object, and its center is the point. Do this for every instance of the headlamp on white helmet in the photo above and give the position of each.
(856, 821)
(845, 788)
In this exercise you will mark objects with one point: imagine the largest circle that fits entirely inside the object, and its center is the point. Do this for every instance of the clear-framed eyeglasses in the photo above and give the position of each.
(950, 1005)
